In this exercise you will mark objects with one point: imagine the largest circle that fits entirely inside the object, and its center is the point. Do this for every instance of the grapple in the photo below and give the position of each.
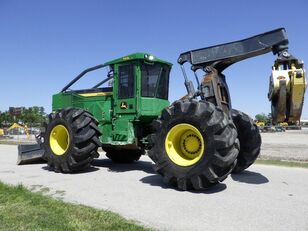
(287, 89)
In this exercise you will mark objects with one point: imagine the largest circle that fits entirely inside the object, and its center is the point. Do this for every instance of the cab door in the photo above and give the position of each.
(125, 100)
(125, 104)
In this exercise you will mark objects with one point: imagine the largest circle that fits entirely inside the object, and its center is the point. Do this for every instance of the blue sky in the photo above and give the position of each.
(44, 44)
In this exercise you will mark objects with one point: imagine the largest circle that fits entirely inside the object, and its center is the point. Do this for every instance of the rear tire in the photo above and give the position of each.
(71, 140)
(250, 140)
(195, 145)
(123, 155)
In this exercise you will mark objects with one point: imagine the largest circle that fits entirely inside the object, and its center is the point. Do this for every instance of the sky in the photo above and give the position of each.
(45, 44)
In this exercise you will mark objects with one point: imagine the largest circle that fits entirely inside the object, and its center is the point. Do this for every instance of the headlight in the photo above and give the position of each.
(149, 57)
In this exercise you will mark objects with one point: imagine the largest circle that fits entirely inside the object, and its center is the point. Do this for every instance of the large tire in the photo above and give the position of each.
(71, 140)
(250, 140)
(195, 145)
(123, 156)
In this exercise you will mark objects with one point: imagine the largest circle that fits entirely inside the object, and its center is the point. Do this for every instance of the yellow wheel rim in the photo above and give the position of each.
(59, 140)
(184, 144)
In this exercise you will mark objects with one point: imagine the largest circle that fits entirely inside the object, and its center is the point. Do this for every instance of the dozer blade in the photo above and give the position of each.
(30, 154)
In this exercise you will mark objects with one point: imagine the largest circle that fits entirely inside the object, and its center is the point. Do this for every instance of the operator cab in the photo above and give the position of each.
(141, 74)
(131, 73)
(141, 85)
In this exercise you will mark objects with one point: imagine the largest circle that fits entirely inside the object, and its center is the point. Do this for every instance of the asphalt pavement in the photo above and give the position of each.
(261, 198)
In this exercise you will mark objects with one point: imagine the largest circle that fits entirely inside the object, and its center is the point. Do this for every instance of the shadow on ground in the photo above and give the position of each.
(145, 166)
(85, 171)
(153, 179)
(249, 177)
(157, 181)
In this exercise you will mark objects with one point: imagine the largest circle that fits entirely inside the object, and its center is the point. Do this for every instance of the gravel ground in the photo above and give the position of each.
(24, 139)
(289, 145)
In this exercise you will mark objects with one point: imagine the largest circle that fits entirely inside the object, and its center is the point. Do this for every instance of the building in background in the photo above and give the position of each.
(16, 111)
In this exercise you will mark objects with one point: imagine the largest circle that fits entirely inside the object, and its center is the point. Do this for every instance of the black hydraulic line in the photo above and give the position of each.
(188, 84)
(82, 74)
(223, 55)
(197, 80)
(184, 73)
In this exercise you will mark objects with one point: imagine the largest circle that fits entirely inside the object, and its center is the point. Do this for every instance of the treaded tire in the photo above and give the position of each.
(220, 138)
(83, 140)
(122, 156)
(250, 140)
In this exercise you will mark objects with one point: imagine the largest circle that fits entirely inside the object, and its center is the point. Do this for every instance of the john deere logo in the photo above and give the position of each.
(123, 105)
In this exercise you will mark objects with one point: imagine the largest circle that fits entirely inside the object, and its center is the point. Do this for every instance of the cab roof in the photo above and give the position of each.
(136, 56)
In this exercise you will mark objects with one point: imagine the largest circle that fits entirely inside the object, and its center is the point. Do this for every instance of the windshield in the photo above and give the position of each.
(155, 80)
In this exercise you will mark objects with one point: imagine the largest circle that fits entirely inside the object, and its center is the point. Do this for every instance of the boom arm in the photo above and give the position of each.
(287, 82)
(223, 55)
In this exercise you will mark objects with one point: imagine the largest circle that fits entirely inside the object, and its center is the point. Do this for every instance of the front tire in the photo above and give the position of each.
(195, 145)
(71, 140)
(250, 140)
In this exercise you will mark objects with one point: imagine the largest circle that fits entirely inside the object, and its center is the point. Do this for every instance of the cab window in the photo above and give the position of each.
(126, 82)
(155, 80)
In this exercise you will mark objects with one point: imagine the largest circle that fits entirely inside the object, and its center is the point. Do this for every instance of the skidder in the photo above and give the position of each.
(195, 142)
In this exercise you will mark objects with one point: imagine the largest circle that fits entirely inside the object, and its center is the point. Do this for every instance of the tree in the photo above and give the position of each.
(261, 118)
(32, 116)
(266, 119)
(6, 119)
(269, 119)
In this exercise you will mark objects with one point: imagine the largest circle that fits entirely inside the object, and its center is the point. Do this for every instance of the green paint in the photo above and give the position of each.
(136, 56)
(125, 113)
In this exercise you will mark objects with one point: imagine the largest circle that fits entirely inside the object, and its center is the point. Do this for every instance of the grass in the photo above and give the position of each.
(14, 142)
(21, 209)
(285, 163)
